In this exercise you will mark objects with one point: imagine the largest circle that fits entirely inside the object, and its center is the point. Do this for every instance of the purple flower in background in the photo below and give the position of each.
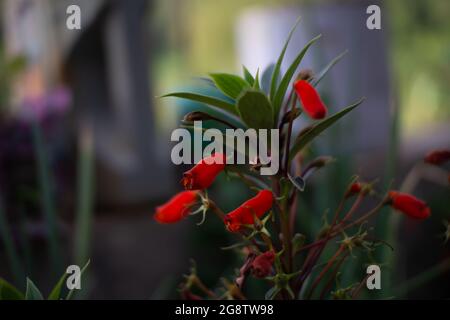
(57, 101)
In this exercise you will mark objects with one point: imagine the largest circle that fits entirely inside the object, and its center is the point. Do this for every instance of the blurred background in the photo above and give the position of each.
(84, 140)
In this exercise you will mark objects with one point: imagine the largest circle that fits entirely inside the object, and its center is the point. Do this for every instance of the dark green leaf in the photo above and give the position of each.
(266, 78)
(256, 84)
(318, 128)
(276, 70)
(327, 68)
(248, 76)
(255, 110)
(229, 84)
(9, 292)
(56, 292)
(281, 91)
(32, 292)
(205, 99)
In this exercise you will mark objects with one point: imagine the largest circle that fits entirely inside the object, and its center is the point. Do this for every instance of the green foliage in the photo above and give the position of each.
(248, 76)
(286, 79)
(255, 109)
(55, 294)
(9, 292)
(318, 128)
(32, 292)
(319, 76)
(277, 67)
(230, 84)
(212, 101)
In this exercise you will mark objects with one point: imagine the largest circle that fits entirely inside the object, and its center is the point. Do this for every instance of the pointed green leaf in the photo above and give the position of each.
(255, 109)
(32, 292)
(224, 105)
(315, 130)
(327, 68)
(248, 76)
(256, 84)
(276, 70)
(266, 77)
(9, 292)
(56, 292)
(281, 91)
(229, 84)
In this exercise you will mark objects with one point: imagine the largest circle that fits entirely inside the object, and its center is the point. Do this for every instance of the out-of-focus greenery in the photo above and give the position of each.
(196, 39)
(419, 34)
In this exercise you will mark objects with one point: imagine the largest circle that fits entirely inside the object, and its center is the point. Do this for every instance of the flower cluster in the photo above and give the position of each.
(266, 225)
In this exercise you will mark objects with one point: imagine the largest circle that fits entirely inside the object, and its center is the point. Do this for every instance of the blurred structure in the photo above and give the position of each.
(106, 65)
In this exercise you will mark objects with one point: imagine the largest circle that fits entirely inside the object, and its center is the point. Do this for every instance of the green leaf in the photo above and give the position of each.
(281, 91)
(256, 84)
(224, 105)
(255, 109)
(56, 292)
(266, 77)
(229, 84)
(248, 76)
(32, 292)
(9, 292)
(276, 70)
(327, 68)
(298, 182)
(315, 130)
(71, 292)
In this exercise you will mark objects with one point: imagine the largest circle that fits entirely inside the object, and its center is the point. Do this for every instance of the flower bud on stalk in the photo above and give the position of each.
(409, 205)
(437, 157)
(310, 99)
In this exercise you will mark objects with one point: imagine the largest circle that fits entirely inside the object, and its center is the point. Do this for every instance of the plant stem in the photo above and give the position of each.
(325, 270)
(333, 276)
(45, 181)
(354, 207)
(288, 140)
(10, 249)
(85, 195)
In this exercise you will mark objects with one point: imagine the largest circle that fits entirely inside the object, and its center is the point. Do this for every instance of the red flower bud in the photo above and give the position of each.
(262, 265)
(312, 104)
(202, 175)
(355, 188)
(409, 205)
(437, 157)
(178, 207)
(245, 213)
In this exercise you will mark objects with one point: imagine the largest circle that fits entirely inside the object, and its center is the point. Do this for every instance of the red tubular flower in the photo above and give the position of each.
(245, 213)
(409, 205)
(262, 265)
(178, 207)
(437, 157)
(312, 104)
(202, 175)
